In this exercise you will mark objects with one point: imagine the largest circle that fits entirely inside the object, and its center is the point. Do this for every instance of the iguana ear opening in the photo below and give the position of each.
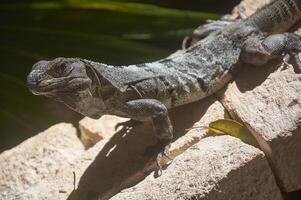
(95, 81)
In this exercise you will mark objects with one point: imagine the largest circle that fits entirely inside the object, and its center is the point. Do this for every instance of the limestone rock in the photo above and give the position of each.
(109, 166)
(270, 104)
(122, 163)
(92, 131)
(248, 7)
(26, 165)
(216, 168)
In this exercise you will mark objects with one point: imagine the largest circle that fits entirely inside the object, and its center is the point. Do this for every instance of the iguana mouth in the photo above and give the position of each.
(57, 86)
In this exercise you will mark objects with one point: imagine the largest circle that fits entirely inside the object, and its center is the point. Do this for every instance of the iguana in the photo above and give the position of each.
(146, 91)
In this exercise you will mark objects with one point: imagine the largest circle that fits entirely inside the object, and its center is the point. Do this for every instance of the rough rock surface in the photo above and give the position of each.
(122, 163)
(113, 163)
(25, 166)
(248, 7)
(216, 168)
(92, 131)
(270, 104)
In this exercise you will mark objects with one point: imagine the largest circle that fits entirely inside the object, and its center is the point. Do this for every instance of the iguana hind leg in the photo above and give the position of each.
(212, 25)
(203, 31)
(258, 50)
(154, 110)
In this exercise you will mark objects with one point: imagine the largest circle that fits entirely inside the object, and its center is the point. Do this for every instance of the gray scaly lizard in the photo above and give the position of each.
(146, 91)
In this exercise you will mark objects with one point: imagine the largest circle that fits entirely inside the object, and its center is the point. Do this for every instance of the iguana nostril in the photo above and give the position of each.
(32, 80)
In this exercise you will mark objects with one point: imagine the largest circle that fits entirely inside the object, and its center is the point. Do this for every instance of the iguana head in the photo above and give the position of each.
(69, 80)
(58, 77)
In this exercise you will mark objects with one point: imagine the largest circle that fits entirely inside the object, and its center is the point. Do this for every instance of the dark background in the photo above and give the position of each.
(114, 32)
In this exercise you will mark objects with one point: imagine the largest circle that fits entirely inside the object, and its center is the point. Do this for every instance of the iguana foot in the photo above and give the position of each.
(296, 61)
(240, 12)
(258, 50)
(203, 31)
(211, 25)
(163, 153)
(159, 151)
(127, 125)
(145, 109)
(161, 148)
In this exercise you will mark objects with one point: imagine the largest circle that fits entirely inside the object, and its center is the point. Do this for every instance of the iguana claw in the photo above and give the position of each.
(160, 150)
(297, 64)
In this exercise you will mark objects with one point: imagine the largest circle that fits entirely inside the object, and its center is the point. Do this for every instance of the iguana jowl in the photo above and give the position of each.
(146, 91)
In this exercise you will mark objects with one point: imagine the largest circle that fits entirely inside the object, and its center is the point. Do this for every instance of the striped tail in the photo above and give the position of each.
(278, 16)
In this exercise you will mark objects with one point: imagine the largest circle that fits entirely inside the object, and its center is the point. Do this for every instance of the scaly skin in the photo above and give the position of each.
(276, 17)
(146, 91)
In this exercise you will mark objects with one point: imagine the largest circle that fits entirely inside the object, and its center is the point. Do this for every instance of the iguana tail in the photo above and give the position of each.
(277, 16)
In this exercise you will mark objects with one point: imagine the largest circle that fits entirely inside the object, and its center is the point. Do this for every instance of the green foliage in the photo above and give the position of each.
(132, 8)
(233, 128)
(117, 6)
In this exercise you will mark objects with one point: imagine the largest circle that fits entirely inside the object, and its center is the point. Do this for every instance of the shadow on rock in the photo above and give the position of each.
(249, 77)
(123, 156)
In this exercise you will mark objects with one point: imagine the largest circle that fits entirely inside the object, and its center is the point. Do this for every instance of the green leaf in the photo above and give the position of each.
(233, 128)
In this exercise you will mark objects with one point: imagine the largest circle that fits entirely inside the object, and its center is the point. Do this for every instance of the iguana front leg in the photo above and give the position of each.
(154, 110)
(258, 50)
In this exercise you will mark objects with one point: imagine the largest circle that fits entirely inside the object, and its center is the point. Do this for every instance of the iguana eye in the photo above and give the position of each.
(57, 71)
(60, 70)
